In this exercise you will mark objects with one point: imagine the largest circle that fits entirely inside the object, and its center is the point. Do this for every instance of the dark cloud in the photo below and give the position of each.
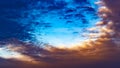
(103, 53)
(110, 14)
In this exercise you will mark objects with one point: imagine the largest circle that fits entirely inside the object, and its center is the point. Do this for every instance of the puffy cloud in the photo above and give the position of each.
(99, 53)
(111, 10)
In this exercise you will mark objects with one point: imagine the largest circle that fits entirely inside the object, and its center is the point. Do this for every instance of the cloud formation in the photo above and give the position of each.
(100, 53)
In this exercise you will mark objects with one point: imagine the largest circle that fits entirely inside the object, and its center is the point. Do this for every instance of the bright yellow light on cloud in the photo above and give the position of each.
(9, 54)
(6, 53)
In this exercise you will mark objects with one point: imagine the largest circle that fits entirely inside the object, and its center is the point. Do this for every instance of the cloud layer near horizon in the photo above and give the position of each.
(100, 53)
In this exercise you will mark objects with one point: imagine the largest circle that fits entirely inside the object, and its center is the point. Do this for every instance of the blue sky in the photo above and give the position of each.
(67, 24)
(56, 22)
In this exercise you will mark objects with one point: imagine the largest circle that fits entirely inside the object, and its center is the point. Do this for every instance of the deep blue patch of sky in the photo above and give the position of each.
(57, 22)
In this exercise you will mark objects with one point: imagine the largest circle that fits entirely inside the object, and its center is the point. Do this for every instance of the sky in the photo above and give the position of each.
(67, 24)
(59, 34)
(55, 22)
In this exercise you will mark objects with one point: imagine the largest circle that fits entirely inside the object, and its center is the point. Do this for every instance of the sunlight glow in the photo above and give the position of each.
(9, 54)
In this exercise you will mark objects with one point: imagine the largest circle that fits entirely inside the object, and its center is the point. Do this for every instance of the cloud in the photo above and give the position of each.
(112, 22)
(103, 53)
(100, 53)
